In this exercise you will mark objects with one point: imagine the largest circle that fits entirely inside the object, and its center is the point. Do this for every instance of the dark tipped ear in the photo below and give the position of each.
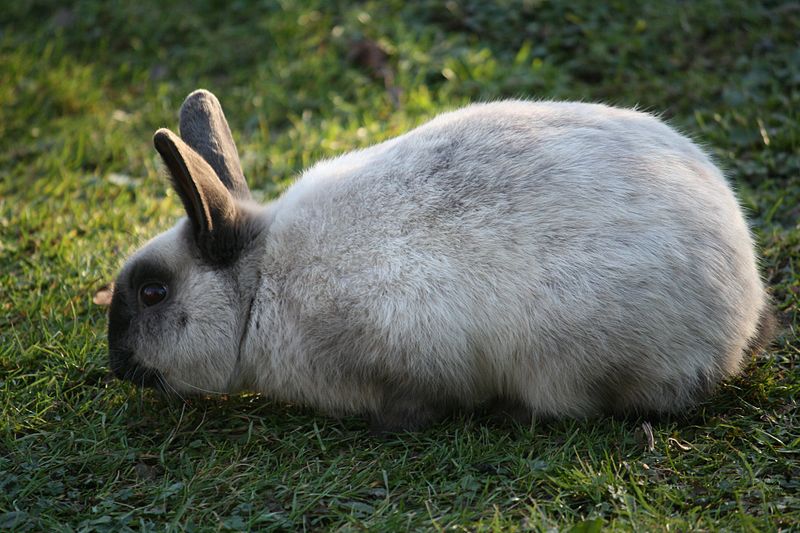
(208, 203)
(204, 128)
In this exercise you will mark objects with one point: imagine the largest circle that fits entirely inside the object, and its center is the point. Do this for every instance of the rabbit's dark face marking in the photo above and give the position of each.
(119, 319)
(139, 299)
(127, 304)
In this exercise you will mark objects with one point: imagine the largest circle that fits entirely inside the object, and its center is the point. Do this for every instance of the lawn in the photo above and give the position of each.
(84, 86)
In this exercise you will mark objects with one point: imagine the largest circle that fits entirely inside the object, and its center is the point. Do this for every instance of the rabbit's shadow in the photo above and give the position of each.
(255, 424)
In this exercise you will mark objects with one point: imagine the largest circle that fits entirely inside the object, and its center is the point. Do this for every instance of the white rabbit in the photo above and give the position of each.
(570, 259)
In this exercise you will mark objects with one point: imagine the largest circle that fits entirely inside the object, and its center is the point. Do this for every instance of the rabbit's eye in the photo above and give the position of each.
(152, 293)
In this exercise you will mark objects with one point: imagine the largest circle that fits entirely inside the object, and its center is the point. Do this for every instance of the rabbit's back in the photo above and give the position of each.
(571, 257)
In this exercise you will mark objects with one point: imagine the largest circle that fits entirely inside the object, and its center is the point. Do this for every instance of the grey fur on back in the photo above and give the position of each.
(570, 258)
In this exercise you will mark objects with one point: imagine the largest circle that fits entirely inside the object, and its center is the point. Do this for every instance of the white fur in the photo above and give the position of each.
(538, 252)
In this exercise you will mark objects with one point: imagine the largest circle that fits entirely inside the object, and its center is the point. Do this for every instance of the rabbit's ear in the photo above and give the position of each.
(208, 203)
(204, 128)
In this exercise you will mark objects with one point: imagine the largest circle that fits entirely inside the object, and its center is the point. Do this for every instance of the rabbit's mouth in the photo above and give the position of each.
(125, 368)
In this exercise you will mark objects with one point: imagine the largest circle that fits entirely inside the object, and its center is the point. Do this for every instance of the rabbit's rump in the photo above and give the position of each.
(573, 258)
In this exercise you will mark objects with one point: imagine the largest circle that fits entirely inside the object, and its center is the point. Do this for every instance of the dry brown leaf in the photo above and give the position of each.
(103, 295)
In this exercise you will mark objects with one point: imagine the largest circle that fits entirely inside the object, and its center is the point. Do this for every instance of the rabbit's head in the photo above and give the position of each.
(181, 303)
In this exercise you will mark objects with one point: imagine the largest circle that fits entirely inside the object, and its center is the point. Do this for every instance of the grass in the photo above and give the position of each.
(83, 87)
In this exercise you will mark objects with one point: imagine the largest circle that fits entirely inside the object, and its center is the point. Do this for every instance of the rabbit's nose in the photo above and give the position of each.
(124, 367)
(121, 362)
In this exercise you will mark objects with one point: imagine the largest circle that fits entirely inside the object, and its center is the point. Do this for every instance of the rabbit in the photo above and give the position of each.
(570, 259)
